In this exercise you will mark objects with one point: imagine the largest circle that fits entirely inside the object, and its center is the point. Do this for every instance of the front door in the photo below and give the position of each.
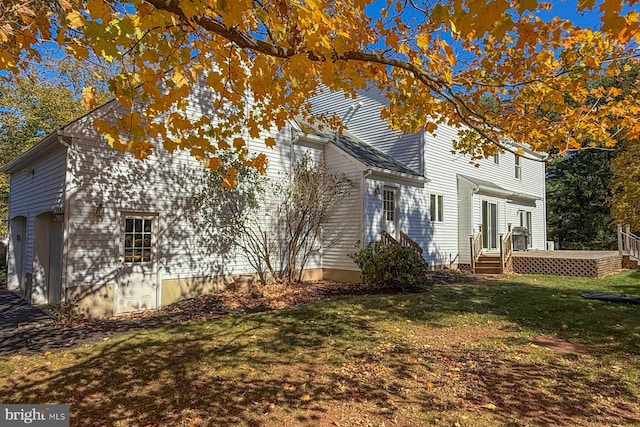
(489, 226)
(390, 210)
(137, 287)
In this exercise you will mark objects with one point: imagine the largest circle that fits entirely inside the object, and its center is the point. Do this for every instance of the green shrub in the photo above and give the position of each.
(392, 266)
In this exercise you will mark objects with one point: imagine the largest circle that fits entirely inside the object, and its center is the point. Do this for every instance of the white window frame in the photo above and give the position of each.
(389, 211)
(436, 207)
(496, 158)
(518, 167)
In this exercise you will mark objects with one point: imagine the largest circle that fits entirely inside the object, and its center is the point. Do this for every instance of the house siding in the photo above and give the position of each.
(37, 188)
(362, 118)
(343, 234)
(442, 168)
(444, 242)
(163, 184)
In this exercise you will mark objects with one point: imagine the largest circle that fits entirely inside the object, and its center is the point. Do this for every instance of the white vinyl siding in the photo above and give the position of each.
(362, 118)
(443, 169)
(344, 232)
(39, 187)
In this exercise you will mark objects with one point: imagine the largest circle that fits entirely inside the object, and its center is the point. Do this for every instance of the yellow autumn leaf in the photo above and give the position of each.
(449, 53)
(98, 9)
(76, 20)
(213, 164)
(89, 98)
(80, 52)
(422, 40)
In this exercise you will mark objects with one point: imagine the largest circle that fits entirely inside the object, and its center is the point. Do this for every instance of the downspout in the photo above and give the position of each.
(365, 175)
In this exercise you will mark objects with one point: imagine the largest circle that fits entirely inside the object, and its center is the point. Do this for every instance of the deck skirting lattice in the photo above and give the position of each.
(569, 266)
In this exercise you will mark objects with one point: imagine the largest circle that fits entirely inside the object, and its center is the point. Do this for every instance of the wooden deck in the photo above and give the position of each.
(567, 263)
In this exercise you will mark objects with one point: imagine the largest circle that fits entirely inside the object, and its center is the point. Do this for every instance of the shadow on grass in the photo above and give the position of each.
(302, 362)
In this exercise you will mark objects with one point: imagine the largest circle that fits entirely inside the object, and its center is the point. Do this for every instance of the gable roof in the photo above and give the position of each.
(49, 142)
(366, 154)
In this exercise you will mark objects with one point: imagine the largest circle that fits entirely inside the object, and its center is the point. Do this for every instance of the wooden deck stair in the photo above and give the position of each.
(488, 264)
(628, 247)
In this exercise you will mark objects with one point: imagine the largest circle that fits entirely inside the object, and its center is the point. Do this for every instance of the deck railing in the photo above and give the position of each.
(387, 239)
(506, 249)
(405, 241)
(476, 248)
(628, 243)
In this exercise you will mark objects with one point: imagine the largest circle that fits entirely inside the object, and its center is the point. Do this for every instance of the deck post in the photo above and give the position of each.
(473, 255)
(501, 253)
(620, 239)
(627, 238)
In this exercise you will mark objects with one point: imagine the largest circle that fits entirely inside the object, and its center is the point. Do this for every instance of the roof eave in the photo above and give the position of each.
(398, 176)
(44, 146)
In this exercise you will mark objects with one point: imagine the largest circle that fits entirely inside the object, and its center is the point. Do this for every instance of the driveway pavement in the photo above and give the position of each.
(20, 323)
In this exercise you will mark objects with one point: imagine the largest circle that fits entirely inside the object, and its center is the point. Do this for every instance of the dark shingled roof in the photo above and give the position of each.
(367, 154)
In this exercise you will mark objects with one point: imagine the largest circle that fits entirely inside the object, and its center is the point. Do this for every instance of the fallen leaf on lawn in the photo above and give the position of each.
(255, 352)
(47, 353)
(357, 397)
(489, 406)
(289, 387)
(305, 398)
(429, 386)
(413, 360)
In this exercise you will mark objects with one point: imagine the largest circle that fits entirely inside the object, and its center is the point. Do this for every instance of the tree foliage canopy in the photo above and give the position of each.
(435, 61)
(579, 201)
(32, 105)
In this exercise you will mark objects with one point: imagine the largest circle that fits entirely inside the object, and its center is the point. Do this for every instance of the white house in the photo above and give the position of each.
(76, 206)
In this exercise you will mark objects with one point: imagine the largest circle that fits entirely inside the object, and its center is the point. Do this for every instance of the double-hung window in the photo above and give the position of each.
(436, 208)
(518, 167)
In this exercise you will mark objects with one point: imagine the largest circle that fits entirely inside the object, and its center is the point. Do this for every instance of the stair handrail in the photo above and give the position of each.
(408, 242)
(405, 241)
(476, 247)
(387, 238)
(506, 249)
(628, 243)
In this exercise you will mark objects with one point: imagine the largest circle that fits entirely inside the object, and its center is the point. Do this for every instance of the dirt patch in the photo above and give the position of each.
(560, 346)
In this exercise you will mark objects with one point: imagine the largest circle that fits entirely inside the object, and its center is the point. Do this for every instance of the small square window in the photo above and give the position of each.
(138, 240)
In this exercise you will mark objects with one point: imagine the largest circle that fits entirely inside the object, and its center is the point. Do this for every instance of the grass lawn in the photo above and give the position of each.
(523, 350)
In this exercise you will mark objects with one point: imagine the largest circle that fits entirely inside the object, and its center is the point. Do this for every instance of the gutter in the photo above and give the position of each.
(44, 146)
(398, 176)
